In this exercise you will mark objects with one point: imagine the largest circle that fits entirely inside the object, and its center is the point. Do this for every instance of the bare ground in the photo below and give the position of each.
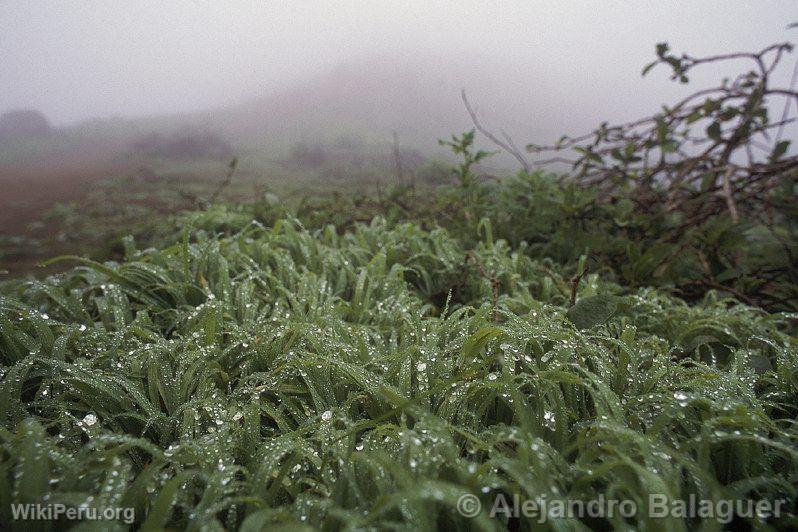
(29, 190)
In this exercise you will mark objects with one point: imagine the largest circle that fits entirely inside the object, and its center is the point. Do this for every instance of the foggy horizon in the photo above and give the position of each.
(572, 65)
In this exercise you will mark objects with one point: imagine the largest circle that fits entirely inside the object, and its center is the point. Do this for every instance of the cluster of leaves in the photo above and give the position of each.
(367, 380)
(709, 179)
(690, 146)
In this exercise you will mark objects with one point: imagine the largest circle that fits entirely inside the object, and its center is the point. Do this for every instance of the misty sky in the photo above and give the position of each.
(80, 59)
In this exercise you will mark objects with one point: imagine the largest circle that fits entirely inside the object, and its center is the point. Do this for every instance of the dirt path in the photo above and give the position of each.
(26, 192)
(29, 190)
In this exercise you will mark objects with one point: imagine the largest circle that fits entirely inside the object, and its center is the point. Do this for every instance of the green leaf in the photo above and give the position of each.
(779, 150)
(728, 113)
(592, 311)
(477, 341)
(33, 471)
(662, 130)
(161, 508)
(694, 116)
(713, 131)
(669, 146)
(707, 181)
(648, 68)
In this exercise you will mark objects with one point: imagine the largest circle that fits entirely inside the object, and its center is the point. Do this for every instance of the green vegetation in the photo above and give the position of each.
(363, 361)
(283, 375)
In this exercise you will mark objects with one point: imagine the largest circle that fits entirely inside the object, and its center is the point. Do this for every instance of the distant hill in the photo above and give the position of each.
(418, 99)
(359, 103)
(23, 124)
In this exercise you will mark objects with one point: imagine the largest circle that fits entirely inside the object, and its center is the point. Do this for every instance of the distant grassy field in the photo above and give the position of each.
(82, 192)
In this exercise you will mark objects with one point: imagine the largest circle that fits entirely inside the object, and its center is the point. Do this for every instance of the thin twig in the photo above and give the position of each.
(398, 159)
(228, 178)
(575, 280)
(509, 146)
(727, 193)
(786, 110)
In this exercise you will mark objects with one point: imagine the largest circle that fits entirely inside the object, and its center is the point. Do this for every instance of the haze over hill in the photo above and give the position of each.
(369, 100)
(532, 68)
(365, 101)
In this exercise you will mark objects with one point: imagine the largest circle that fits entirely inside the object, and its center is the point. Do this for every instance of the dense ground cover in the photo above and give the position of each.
(367, 361)
(370, 379)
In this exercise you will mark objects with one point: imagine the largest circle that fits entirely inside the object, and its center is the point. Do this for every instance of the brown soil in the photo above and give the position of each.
(29, 190)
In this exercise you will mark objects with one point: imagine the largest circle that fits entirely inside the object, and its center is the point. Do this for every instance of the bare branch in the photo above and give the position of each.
(508, 146)
(228, 178)
(727, 193)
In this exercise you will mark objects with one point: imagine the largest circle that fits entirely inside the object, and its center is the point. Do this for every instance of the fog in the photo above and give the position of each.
(535, 68)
